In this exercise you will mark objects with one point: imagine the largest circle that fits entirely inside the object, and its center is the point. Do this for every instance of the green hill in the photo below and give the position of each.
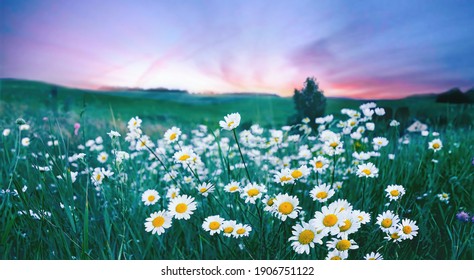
(31, 99)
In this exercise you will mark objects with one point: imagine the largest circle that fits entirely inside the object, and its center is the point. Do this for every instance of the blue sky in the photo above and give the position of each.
(364, 49)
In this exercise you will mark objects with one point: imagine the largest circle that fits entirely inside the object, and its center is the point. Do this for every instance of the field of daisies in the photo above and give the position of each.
(358, 187)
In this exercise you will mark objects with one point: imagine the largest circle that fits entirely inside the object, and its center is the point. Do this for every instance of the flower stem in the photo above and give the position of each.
(241, 155)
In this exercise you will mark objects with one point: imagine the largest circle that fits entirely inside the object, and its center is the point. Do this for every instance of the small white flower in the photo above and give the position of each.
(230, 121)
(113, 134)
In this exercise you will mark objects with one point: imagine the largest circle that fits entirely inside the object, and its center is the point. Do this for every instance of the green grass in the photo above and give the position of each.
(109, 224)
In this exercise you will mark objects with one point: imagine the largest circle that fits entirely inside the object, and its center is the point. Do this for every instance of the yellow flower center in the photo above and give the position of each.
(228, 230)
(181, 208)
(230, 124)
(333, 144)
(97, 177)
(158, 221)
(270, 201)
(103, 158)
(394, 235)
(386, 223)
(184, 157)
(367, 172)
(285, 178)
(276, 139)
(319, 164)
(306, 236)
(343, 245)
(173, 136)
(322, 195)
(233, 188)
(285, 208)
(214, 225)
(407, 229)
(445, 195)
(436, 146)
(394, 193)
(347, 225)
(173, 195)
(253, 192)
(360, 218)
(202, 190)
(151, 198)
(371, 259)
(330, 220)
(296, 174)
(241, 231)
(336, 258)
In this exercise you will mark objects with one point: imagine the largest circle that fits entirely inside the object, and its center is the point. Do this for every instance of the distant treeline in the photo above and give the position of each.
(455, 95)
(159, 89)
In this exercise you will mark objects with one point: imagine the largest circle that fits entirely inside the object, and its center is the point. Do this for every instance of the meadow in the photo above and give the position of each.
(139, 175)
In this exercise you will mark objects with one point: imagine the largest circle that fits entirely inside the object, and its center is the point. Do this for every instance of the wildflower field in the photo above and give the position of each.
(359, 187)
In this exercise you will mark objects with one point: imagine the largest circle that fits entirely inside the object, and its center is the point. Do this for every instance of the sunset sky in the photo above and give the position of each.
(361, 49)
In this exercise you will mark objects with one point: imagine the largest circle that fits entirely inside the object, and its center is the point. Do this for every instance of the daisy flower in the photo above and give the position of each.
(252, 192)
(134, 123)
(25, 142)
(394, 123)
(374, 256)
(283, 177)
(143, 143)
(379, 142)
(269, 203)
(97, 177)
(351, 225)
(322, 192)
(205, 189)
(228, 227)
(387, 220)
(319, 164)
(102, 157)
(231, 121)
(184, 156)
(241, 230)
(393, 234)
(379, 111)
(6, 132)
(113, 134)
(158, 222)
(213, 224)
(336, 255)
(150, 197)
(435, 145)
(182, 207)
(304, 237)
(342, 244)
(444, 197)
(286, 206)
(342, 205)
(367, 170)
(394, 192)
(232, 187)
(172, 134)
(172, 192)
(337, 185)
(362, 217)
(329, 219)
(407, 229)
(300, 172)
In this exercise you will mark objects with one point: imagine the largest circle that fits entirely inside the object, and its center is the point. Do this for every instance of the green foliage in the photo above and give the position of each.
(310, 102)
